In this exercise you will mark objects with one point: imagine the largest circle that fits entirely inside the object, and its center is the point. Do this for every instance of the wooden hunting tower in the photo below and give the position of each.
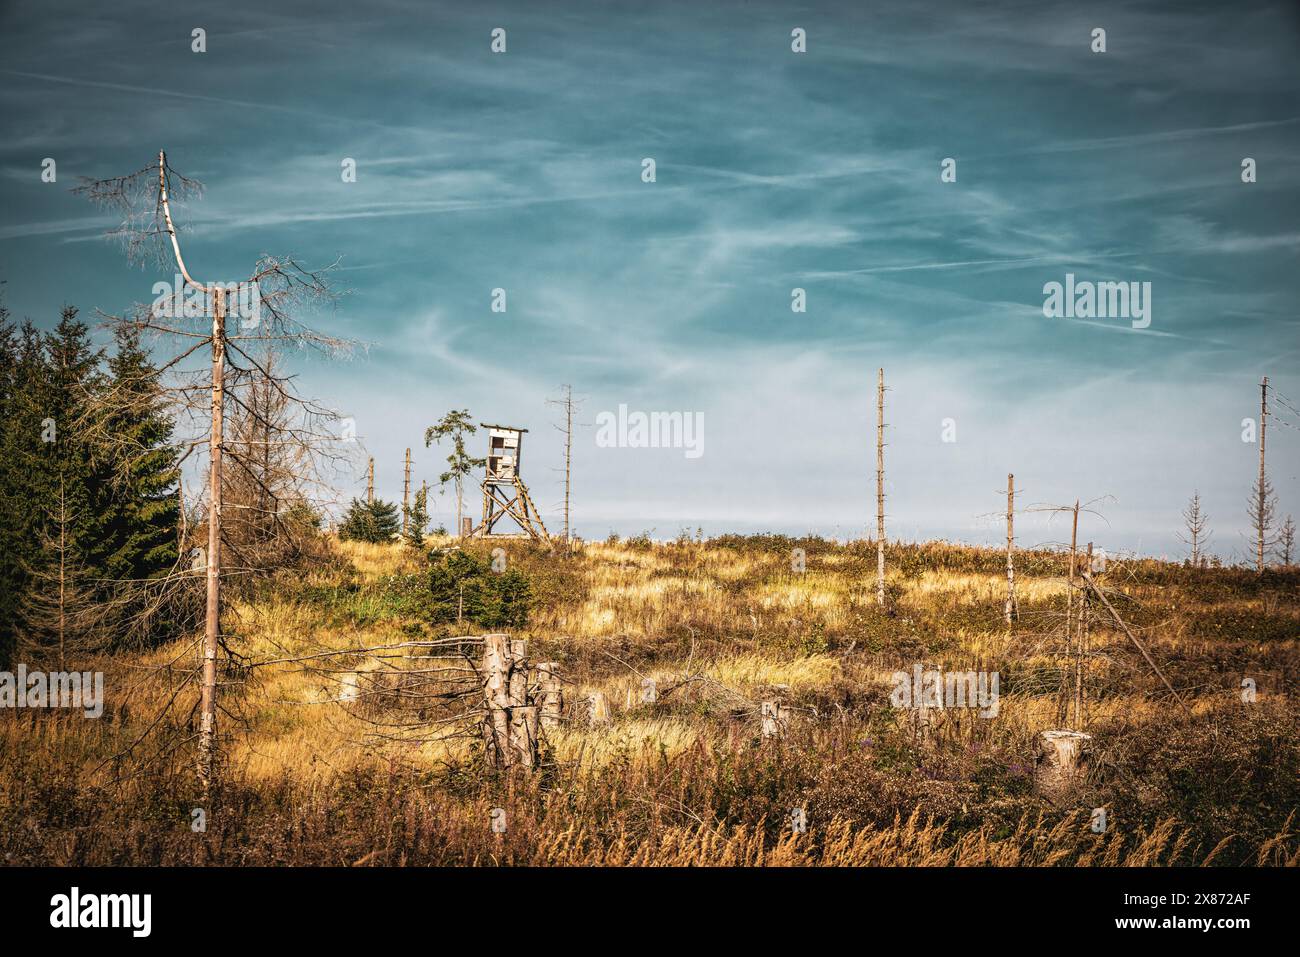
(504, 492)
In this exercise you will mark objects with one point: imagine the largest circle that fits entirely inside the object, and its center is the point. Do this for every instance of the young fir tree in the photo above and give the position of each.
(375, 521)
(47, 382)
(142, 504)
(72, 471)
(1195, 521)
(417, 518)
(465, 588)
(59, 616)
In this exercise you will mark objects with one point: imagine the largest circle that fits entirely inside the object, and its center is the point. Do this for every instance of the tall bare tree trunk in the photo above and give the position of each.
(460, 496)
(1261, 500)
(568, 455)
(406, 494)
(266, 520)
(880, 489)
(370, 481)
(1070, 649)
(1196, 541)
(211, 632)
(567, 404)
(1081, 651)
(1011, 611)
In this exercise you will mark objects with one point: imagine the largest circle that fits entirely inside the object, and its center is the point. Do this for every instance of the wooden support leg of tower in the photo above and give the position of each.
(530, 507)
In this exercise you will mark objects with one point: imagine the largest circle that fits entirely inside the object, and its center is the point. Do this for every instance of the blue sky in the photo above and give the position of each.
(774, 170)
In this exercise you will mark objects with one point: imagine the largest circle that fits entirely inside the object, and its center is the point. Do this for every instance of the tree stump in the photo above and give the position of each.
(523, 735)
(1061, 763)
(551, 694)
(349, 688)
(523, 715)
(510, 723)
(496, 697)
(775, 718)
(598, 708)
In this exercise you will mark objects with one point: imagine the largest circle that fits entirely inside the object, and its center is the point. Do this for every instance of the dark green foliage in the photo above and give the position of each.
(301, 519)
(20, 363)
(417, 517)
(464, 588)
(142, 507)
(375, 521)
(455, 425)
(52, 378)
(87, 446)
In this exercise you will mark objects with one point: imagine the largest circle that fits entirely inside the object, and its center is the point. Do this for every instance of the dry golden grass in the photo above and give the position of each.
(743, 628)
(373, 561)
(972, 589)
(909, 843)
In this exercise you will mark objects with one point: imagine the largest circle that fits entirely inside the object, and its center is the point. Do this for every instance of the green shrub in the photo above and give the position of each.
(464, 587)
(370, 522)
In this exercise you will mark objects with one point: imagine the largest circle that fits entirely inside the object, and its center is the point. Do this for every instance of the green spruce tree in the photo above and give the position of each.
(417, 519)
(375, 521)
(142, 501)
(15, 519)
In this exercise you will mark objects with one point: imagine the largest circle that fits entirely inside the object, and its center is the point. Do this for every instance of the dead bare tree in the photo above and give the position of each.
(406, 493)
(880, 489)
(1286, 542)
(1262, 504)
(1011, 611)
(1078, 616)
(271, 418)
(278, 483)
(1072, 635)
(1261, 508)
(1195, 521)
(569, 405)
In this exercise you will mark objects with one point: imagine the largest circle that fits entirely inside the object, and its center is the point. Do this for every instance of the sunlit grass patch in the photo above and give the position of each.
(629, 737)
